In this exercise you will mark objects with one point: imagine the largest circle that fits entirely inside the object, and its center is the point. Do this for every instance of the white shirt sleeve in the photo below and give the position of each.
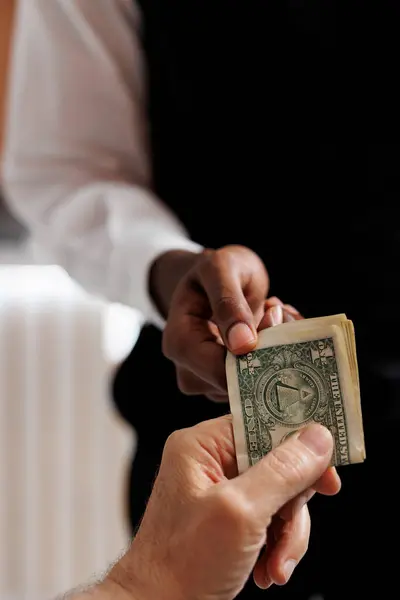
(76, 168)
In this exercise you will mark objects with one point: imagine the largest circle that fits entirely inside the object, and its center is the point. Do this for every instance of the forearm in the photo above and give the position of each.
(80, 180)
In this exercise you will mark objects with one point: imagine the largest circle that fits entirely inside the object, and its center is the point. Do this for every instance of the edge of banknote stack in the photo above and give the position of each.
(300, 372)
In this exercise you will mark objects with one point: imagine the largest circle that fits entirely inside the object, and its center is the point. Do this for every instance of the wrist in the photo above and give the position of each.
(140, 577)
(121, 585)
(113, 589)
(165, 274)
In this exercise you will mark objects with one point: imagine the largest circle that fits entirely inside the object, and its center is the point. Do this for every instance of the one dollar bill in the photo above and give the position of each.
(300, 372)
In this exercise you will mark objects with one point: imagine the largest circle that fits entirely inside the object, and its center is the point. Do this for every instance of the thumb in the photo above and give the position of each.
(286, 471)
(236, 283)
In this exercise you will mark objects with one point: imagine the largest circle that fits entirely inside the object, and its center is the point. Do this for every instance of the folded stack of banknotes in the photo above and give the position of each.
(300, 372)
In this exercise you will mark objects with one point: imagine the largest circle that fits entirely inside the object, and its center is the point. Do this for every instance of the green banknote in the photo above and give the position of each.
(300, 372)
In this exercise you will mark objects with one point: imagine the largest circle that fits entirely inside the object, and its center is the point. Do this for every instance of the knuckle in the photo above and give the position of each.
(225, 257)
(183, 384)
(228, 308)
(185, 389)
(207, 262)
(233, 509)
(166, 342)
(215, 261)
(175, 441)
(287, 465)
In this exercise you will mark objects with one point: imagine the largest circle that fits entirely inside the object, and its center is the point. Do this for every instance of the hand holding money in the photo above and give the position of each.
(205, 528)
(300, 372)
(218, 303)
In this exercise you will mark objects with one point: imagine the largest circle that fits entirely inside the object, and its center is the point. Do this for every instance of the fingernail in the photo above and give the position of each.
(239, 336)
(264, 585)
(276, 315)
(289, 567)
(267, 581)
(317, 439)
(287, 317)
